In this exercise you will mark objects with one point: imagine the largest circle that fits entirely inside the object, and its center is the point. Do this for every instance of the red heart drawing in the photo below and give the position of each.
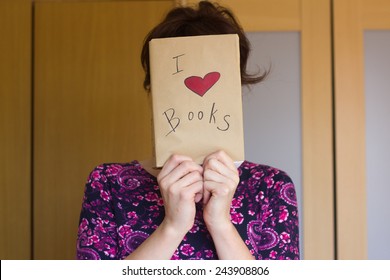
(201, 86)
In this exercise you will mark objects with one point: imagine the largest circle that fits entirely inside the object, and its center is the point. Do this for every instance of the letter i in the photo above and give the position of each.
(177, 64)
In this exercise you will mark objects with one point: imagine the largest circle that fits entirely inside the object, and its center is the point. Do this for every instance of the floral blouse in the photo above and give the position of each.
(122, 206)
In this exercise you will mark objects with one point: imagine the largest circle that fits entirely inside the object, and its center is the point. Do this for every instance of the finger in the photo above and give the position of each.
(188, 180)
(181, 168)
(181, 171)
(172, 162)
(218, 166)
(206, 195)
(189, 193)
(198, 197)
(224, 158)
(216, 189)
(217, 179)
(212, 175)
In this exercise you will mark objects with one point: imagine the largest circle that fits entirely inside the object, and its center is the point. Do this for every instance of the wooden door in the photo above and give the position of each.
(89, 106)
(351, 19)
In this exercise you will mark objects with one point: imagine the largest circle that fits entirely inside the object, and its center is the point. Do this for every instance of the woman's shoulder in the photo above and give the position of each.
(258, 170)
(113, 169)
(272, 182)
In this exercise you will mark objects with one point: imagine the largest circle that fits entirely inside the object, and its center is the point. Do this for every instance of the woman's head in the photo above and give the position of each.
(206, 19)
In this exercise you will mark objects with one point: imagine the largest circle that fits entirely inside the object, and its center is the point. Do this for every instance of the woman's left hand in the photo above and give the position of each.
(220, 180)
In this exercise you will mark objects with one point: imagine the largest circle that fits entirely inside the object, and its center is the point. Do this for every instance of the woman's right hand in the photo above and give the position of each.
(181, 186)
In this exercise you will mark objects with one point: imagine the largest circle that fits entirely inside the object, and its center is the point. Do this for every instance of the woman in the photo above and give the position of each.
(187, 210)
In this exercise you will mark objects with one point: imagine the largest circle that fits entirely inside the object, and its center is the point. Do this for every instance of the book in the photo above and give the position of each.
(196, 97)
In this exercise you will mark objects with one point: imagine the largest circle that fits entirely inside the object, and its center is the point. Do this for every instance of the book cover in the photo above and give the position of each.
(196, 97)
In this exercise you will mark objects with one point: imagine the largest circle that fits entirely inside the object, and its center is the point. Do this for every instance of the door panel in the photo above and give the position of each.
(377, 101)
(15, 129)
(353, 182)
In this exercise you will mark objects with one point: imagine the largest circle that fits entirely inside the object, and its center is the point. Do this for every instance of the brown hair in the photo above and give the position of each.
(208, 19)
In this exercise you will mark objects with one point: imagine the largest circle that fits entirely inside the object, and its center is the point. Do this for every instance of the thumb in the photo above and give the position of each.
(198, 197)
(206, 196)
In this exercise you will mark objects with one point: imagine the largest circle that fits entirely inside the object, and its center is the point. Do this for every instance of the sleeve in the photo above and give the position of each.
(281, 218)
(97, 235)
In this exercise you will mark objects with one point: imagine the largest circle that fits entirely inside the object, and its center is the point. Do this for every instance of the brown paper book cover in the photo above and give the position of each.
(196, 96)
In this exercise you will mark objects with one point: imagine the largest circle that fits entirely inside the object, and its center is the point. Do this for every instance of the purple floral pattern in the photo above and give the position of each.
(134, 239)
(122, 207)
